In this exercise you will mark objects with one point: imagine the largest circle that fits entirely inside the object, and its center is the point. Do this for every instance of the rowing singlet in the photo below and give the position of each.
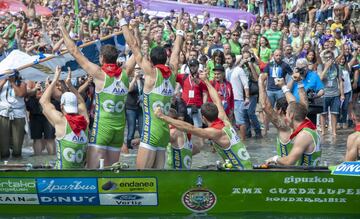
(156, 134)
(180, 158)
(109, 118)
(71, 149)
(311, 159)
(236, 152)
(283, 149)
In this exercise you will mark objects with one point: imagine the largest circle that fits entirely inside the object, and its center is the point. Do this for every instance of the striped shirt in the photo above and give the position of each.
(274, 39)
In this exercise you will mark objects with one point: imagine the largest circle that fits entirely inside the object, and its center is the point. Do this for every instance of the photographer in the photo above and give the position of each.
(194, 91)
(252, 71)
(313, 87)
(334, 92)
(12, 115)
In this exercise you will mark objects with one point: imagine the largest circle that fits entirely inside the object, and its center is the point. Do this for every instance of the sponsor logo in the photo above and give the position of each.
(69, 199)
(129, 199)
(17, 185)
(165, 108)
(111, 107)
(67, 185)
(348, 168)
(199, 200)
(315, 179)
(70, 155)
(120, 185)
(23, 199)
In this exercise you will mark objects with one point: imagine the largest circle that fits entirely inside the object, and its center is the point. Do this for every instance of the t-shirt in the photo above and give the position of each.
(239, 81)
(274, 39)
(265, 54)
(213, 48)
(276, 70)
(192, 93)
(331, 82)
(311, 81)
(235, 47)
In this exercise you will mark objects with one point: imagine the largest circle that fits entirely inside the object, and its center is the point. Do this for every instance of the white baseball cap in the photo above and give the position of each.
(70, 102)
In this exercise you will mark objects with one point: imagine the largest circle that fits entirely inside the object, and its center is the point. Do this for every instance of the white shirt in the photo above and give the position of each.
(239, 81)
(186, 70)
(11, 106)
(347, 82)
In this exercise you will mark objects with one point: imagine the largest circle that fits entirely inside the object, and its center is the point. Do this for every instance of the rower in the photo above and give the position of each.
(111, 88)
(159, 86)
(226, 141)
(70, 124)
(304, 140)
(179, 150)
(277, 116)
(353, 141)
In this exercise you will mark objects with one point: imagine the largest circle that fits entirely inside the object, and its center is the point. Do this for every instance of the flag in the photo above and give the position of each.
(39, 67)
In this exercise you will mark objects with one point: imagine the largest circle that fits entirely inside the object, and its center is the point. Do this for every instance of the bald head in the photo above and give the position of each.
(277, 55)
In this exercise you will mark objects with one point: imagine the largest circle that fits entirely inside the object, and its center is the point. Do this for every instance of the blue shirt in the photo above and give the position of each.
(311, 81)
(276, 70)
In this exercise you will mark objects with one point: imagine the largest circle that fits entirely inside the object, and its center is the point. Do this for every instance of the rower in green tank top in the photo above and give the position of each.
(353, 141)
(71, 124)
(304, 140)
(179, 149)
(277, 115)
(111, 86)
(220, 131)
(159, 86)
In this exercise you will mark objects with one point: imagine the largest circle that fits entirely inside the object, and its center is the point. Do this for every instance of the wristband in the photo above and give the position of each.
(180, 33)
(285, 89)
(123, 22)
(275, 159)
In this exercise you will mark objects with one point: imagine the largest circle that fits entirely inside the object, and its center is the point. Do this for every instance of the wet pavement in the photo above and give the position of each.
(333, 151)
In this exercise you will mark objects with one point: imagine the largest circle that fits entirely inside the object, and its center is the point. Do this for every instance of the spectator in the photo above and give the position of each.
(12, 115)
(334, 90)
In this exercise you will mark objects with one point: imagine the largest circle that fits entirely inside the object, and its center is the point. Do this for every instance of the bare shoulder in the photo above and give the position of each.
(353, 140)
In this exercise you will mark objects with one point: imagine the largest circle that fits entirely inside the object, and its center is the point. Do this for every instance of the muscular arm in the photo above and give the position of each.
(91, 68)
(209, 133)
(49, 110)
(216, 100)
(351, 149)
(268, 109)
(174, 58)
(302, 141)
(144, 64)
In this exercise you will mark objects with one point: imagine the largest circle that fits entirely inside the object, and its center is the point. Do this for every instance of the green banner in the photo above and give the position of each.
(181, 192)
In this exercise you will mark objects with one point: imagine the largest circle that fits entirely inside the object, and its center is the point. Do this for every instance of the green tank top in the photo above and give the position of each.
(110, 105)
(156, 131)
(307, 159)
(236, 153)
(180, 158)
(71, 149)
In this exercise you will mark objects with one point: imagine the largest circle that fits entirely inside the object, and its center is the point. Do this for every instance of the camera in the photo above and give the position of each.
(301, 71)
(17, 77)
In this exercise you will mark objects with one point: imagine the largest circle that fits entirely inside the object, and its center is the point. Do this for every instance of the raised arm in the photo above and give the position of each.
(49, 110)
(214, 97)
(91, 68)
(81, 102)
(144, 64)
(265, 102)
(174, 58)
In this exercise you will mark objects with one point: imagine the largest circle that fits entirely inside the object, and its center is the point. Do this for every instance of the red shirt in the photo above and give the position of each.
(226, 95)
(187, 85)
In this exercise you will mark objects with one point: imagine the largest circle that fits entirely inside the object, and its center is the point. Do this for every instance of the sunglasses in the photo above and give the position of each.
(236, 35)
(188, 43)
(227, 33)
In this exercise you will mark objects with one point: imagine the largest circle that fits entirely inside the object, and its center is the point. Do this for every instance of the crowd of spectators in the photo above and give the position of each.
(322, 33)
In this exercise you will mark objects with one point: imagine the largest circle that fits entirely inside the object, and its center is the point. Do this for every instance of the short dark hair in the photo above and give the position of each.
(109, 54)
(210, 111)
(299, 110)
(281, 104)
(158, 55)
(356, 111)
